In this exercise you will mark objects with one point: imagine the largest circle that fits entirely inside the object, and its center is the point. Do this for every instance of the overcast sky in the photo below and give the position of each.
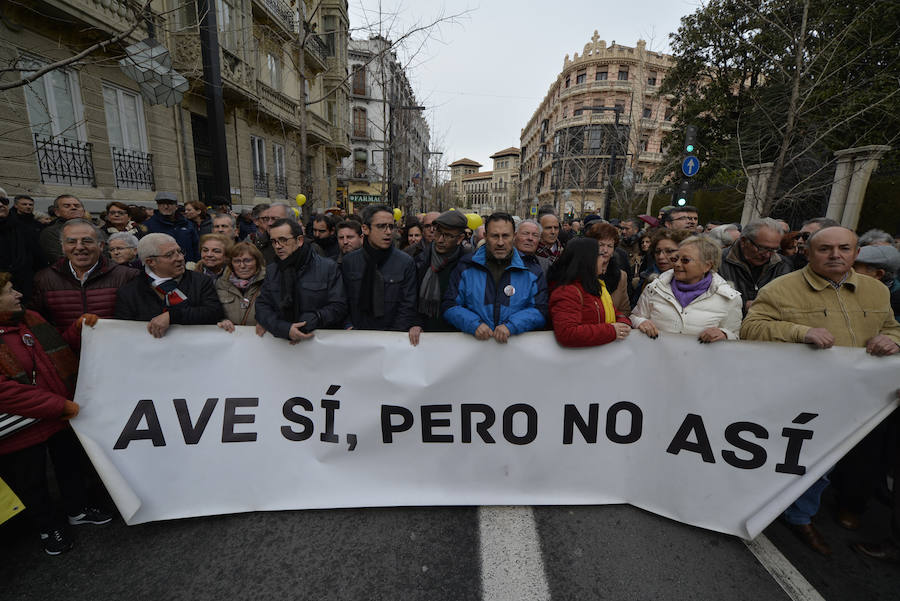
(483, 75)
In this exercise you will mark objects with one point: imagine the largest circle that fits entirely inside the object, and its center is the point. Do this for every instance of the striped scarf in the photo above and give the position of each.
(53, 345)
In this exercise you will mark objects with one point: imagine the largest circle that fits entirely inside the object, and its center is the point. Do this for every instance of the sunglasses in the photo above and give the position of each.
(4, 201)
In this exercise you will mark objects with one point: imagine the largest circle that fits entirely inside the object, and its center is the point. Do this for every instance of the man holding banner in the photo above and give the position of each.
(824, 304)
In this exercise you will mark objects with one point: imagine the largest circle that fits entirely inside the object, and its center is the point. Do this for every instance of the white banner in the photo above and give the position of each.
(721, 436)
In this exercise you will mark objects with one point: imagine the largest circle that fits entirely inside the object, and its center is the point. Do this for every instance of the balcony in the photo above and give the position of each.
(361, 133)
(318, 127)
(361, 91)
(280, 13)
(109, 16)
(315, 53)
(280, 186)
(62, 161)
(651, 157)
(604, 85)
(340, 140)
(133, 169)
(649, 123)
(260, 184)
(277, 104)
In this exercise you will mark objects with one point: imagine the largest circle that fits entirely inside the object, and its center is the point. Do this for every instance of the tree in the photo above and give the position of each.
(789, 83)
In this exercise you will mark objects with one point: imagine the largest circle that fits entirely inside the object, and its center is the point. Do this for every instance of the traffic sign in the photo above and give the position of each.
(534, 210)
(690, 166)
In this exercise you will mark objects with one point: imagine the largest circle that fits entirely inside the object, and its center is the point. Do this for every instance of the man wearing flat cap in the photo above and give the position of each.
(882, 263)
(166, 220)
(434, 265)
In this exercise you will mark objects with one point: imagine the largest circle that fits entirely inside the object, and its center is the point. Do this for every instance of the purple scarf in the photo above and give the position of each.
(686, 293)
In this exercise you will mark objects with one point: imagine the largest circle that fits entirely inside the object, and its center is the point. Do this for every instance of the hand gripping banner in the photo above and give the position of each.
(721, 436)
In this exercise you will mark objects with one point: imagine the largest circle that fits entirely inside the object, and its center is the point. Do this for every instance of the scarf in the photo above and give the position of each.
(609, 311)
(686, 293)
(52, 343)
(130, 228)
(430, 290)
(551, 252)
(166, 287)
(238, 282)
(287, 272)
(371, 293)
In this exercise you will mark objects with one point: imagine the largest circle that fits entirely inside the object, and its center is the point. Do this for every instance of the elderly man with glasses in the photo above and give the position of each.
(166, 294)
(754, 261)
(682, 218)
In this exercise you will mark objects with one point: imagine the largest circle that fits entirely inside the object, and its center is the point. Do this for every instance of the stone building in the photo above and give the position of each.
(86, 128)
(478, 190)
(389, 135)
(505, 181)
(458, 170)
(568, 150)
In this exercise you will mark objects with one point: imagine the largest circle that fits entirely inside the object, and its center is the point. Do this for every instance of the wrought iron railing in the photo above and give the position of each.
(133, 169)
(282, 11)
(261, 184)
(280, 186)
(316, 47)
(64, 161)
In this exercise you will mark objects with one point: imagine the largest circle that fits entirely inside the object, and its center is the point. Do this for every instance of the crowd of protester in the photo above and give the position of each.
(590, 281)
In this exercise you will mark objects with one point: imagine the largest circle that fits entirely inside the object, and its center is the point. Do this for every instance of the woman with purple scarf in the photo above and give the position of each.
(691, 298)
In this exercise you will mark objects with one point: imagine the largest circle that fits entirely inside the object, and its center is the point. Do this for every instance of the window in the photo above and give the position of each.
(127, 134)
(601, 76)
(669, 114)
(279, 171)
(329, 27)
(568, 80)
(186, 14)
(581, 77)
(645, 143)
(651, 78)
(273, 66)
(647, 112)
(260, 176)
(229, 27)
(623, 74)
(54, 104)
(359, 81)
(359, 123)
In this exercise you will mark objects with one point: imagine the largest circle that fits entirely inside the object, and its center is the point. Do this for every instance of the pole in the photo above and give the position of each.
(612, 170)
(215, 104)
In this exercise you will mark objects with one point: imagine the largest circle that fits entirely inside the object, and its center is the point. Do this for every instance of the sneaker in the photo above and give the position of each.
(90, 515)
(55, 542)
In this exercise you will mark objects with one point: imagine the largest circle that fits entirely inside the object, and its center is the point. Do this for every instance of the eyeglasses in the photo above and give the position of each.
(268, 219)
(439, 235)
(805, 236)
(761, 249)
(281, 241)
(84, 241)
(247, 261)
(385, 227)
(120, 249)
(682, 260)
(169, 255)
(4, 201)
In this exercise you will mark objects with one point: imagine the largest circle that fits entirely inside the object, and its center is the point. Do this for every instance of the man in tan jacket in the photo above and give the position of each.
(824, 304)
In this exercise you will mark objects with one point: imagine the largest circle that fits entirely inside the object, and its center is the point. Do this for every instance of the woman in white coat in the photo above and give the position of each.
(691, 298)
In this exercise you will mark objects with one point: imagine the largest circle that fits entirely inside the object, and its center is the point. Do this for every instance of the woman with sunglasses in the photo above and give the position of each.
(691, 298)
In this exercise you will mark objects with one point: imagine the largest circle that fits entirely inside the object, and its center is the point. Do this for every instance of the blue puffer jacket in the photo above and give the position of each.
(472, 298)
(184, 232)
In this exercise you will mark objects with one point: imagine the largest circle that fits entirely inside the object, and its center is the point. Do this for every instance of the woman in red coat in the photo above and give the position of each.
(37, 382)
(581, 308)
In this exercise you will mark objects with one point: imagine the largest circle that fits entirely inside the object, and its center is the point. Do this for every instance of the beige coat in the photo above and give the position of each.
(789, 306)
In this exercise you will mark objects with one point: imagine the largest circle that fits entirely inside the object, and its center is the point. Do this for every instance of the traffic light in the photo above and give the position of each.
(690, 139)
(682, 193)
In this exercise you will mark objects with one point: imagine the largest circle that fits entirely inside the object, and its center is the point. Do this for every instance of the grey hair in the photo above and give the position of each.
(229, 216)
(816, 234)
(751, 229)
(129, 239)
(288, 213)
(709, 250)
(532, 222)
(81, 221)
(823, 222)
(720, 233)
(149, 245)
(875, 235)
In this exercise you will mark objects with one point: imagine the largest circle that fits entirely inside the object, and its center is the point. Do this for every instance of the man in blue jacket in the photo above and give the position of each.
(493, 293)
(167, 221)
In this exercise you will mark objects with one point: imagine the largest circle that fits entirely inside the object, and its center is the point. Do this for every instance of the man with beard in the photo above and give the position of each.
(349, 236)
(433, 269)
(493, 293)
(324, 237)
(303, 291)
(379, 279)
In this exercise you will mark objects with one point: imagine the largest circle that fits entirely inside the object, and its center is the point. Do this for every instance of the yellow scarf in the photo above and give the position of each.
(609, 311)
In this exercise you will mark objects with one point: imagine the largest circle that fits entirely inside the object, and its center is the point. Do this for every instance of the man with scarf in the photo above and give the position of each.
(303, 290)
(380, 280)
(433, 268)
(493, 293)
(324, 237)
(550, 246)
(166, 294)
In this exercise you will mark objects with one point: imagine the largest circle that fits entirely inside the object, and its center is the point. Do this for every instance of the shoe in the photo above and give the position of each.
(55, 542)
(848, 519)
(886, 550)
(90, 515)
(813, 539)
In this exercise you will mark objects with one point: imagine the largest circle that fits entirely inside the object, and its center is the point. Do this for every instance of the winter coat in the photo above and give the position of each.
(578, 317)
(138, 301)
(518, 301)
(737, 272)
(718, 307)
(318, 292)
(423, 264)
(60, 298)
(400, 292)
(20, 254)
(231, 297)
(184, 232)
(44, 401)
(787, 308)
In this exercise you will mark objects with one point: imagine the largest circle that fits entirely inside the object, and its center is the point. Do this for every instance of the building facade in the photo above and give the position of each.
(571, 144)
(86, 129)
(505, 181)
(458, 170)
(389, 134)
(478, 189)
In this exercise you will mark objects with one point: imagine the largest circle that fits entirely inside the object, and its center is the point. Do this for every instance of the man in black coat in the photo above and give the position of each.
(379, 279)
(20, 253)
(166, 294)
(303, 291)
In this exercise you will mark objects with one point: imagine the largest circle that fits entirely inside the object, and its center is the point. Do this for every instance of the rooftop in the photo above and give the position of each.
(511, 151)
(465, 162)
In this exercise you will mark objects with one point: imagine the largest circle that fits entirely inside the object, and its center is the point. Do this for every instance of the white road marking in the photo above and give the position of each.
(785, 574)
(512, 568)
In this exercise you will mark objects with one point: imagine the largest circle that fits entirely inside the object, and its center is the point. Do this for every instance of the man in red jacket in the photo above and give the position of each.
(83, 281)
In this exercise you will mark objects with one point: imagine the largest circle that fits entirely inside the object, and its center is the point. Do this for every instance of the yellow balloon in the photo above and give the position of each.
(397, 214)
(452, 208)
(301, 200)
(296, 211)
(475, 221)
